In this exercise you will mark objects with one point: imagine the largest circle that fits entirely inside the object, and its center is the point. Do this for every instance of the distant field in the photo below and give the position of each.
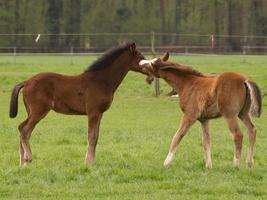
(134, 139)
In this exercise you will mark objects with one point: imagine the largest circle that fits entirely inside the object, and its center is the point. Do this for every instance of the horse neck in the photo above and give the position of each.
(178, 82)
(116, 74)
(113, 75)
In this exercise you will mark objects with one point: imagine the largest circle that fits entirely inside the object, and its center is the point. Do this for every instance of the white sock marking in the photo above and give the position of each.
(168, 159)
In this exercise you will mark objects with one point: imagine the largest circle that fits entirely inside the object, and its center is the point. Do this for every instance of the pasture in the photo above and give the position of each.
(134, 138)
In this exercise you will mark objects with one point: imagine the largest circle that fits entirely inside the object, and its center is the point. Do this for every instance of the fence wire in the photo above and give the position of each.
(94, 43)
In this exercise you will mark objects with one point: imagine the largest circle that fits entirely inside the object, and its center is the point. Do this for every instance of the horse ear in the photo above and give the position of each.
(133, 47)
(165, 56)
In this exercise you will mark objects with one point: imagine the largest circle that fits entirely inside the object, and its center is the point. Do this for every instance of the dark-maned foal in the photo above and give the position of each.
(204, 97)
(90, 93)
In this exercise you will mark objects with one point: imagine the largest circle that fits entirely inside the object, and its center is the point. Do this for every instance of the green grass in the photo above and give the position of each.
(134, 139)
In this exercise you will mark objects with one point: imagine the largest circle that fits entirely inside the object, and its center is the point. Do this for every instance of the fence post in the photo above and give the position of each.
(212, 38)
(244, 50)
(186, 51)
(14, 54)
(71, 55)
(245, 46)
(157, 86)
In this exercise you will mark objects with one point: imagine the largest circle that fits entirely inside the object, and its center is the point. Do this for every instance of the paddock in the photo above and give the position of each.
(134, 139)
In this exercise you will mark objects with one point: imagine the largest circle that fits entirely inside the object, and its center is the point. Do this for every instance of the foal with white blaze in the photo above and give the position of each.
(204, 97)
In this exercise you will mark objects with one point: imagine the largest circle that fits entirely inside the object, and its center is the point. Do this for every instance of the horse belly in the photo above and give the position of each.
(67, 110)
(210, 112)
(69, 106)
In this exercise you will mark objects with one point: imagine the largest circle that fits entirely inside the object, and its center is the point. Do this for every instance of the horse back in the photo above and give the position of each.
(56, 91)
(47, 83)
(67, 94)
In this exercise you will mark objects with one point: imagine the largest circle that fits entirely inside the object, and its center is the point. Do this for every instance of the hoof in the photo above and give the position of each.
(27, 158)
(168, 160)
(236, 162)
(88, 162)
(250, 163)
(209, 165)
(24, 163)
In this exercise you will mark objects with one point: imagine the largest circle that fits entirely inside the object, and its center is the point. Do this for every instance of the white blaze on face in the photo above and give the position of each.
(150, 62)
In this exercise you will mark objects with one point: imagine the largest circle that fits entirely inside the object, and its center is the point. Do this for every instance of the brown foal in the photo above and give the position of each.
(89, 93)
(204, 97)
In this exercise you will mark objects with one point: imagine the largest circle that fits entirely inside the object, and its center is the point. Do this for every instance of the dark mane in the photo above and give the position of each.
(184, 69)
(190, 70)
(107, 58)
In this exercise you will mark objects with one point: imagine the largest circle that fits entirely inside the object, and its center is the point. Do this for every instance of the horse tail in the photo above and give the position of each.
(255, 97)
(13, 111)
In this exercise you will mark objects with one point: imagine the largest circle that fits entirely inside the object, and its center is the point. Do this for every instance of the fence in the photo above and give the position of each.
(149, 43)
(93, 43)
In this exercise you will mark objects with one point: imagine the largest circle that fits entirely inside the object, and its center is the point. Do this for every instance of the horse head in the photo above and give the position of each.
(153, 66)
(136, 56)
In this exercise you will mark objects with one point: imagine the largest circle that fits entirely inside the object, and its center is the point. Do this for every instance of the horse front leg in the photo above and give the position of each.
(93, 133)
(206, 143)
(181, 132)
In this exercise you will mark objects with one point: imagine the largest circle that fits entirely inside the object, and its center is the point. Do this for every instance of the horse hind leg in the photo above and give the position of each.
(252, 138)
(21, 125)
(237, 137)
(21, 149)
(26, 128)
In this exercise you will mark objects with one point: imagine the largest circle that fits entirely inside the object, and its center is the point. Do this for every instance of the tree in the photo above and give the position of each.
(53, 21)
(73, 21)
(163, 20)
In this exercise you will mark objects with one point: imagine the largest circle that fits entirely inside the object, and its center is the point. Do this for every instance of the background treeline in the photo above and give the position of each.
(219, 17)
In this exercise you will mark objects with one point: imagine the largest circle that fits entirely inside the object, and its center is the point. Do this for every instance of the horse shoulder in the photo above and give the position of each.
(192, 96)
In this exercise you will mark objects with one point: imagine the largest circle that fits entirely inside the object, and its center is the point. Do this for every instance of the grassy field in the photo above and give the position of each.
(134, 139)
